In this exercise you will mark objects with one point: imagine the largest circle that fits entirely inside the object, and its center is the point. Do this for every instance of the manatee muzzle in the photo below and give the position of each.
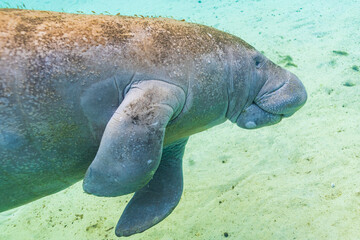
(274, 101)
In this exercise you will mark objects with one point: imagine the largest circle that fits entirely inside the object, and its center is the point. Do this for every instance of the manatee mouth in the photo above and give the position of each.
(255, 117)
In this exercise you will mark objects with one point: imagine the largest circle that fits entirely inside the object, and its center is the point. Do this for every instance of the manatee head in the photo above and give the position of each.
(275, 93)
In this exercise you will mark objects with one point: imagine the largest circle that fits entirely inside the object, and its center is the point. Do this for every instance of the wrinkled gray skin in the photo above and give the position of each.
(122, 95)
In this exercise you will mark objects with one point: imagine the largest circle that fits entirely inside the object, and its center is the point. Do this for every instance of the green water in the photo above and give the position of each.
(299, 179)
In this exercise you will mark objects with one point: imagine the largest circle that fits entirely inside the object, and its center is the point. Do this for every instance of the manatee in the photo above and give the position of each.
(115, 99)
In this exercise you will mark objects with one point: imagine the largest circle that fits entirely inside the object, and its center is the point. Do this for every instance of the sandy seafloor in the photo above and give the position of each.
(271, 183)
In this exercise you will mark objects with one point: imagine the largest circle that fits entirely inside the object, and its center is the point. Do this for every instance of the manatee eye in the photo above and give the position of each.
(258, 61)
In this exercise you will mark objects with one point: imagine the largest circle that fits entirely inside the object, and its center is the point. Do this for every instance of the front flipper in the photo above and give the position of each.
(131, 146)
(159, 197)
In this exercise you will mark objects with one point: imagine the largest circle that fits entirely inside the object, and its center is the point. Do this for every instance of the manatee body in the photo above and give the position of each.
(119, 96)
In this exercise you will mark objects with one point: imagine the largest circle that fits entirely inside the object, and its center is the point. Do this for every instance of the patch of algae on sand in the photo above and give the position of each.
(287, 61)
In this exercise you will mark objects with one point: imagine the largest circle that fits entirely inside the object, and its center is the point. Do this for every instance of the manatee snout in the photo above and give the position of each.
(282, 97)
(276, 99)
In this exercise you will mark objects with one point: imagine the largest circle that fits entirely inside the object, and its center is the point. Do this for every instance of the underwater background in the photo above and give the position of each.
(299, 179)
